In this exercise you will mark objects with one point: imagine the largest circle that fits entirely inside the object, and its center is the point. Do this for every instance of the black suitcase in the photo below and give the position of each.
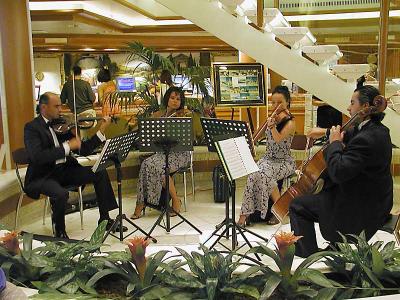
(221, 186)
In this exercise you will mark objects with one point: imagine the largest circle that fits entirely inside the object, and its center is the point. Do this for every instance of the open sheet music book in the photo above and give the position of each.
(102, 153)
(236, 157)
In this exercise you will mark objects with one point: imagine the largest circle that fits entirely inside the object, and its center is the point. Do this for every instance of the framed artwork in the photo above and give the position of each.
(239, 84)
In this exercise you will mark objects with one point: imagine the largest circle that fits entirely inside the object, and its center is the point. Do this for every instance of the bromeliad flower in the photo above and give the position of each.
(284, 240)
(137, 246)
(10, 242)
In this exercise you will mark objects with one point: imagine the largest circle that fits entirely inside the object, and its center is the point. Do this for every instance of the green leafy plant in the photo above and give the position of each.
(154, 61)
(19, 265)
(303, 282)
(366, 269)
(211, 276)
(67, 267)
(140, 272)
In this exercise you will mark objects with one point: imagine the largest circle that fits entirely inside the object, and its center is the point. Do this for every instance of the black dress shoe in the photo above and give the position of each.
(118, 228)
(61, 234)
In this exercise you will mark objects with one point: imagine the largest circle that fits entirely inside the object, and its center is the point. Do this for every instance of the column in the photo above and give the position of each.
(16, 82)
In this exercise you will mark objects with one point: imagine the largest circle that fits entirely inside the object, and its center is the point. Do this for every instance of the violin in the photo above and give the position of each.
(180, 113)
(64, 124)
(279, 114)
(309, 180)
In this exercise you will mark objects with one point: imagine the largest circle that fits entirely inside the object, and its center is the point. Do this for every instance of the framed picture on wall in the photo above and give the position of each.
(239, 84)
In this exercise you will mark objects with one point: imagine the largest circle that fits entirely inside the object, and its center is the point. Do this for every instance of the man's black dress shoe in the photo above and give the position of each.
(118, 228)
(61, 234)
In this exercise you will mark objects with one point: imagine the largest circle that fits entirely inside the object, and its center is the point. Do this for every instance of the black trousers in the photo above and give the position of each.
(304, 211)
(67, 175)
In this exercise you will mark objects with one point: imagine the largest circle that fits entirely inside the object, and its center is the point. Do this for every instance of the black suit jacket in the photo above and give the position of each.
(358, 192)
(43, 154)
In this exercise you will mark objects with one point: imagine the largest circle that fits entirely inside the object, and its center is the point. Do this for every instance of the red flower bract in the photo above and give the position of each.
(284, 240)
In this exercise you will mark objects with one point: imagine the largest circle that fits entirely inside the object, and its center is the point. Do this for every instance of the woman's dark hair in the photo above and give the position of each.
(104, 75)
(283, 90)
(367, 94)
(166, 77)
(77, 70)
(173, 89)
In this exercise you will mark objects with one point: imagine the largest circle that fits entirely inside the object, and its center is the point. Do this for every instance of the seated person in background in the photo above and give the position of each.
(276, 164)
(358, 191)
(51, 166)
(327, 116)
(105, 89)
(151, 175)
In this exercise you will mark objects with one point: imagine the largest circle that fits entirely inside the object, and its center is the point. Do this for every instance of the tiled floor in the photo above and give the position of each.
(202, 212)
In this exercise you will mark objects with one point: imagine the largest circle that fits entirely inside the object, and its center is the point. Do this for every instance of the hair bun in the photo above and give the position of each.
(360, 81)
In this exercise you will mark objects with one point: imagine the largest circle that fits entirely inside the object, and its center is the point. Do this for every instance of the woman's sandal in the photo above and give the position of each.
(137, 215)
(172, 212)
(273, 221)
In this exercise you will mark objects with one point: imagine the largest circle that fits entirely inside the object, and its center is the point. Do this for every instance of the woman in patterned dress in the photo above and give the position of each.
(275, 165)
(151, 175)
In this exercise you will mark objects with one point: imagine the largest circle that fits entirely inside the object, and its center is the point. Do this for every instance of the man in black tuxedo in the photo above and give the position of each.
(51, 167)
(358, 191)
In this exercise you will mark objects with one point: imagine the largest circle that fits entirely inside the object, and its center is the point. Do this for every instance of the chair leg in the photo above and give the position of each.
(193, 189)
(17, 210)
(80, 200)
(46, 204)
(185, 190)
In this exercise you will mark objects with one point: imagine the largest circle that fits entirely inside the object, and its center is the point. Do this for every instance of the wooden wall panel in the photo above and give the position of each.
(16, 50)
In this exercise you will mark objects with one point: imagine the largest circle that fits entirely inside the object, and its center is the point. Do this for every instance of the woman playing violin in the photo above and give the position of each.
(151, 174)
(276, 164)
(358, 191)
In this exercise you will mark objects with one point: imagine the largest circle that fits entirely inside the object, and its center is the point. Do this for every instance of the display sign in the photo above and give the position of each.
(239, 84)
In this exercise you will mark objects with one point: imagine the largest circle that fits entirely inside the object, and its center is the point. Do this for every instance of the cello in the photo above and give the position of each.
(309, 180)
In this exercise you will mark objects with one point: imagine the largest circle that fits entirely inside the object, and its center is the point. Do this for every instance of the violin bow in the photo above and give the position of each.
(75, 113)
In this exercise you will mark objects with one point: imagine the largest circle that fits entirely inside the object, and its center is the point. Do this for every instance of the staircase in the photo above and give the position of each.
(288, 51)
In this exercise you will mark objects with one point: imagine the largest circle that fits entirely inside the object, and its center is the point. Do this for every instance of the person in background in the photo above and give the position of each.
(276, 164)
(105, 89)
(358, 190)
(164, 84)
(84, 97)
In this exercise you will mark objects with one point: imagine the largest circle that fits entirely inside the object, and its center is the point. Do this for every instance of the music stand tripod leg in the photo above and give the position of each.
(121, 216)
(187, 221)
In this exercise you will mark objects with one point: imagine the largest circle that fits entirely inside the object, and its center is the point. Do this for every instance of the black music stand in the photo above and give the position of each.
(114, 152)
(166, 135)
(215, 130)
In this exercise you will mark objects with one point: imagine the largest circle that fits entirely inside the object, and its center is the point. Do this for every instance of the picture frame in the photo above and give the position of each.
(239, 84)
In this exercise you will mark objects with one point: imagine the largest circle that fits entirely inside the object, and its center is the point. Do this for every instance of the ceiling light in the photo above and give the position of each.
(110, 49)
(53, 49)
(88, 49)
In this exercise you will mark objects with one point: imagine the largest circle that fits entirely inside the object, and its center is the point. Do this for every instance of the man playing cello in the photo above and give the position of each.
(358, 191)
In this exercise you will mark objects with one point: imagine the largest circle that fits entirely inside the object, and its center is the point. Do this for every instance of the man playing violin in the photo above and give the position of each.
(358, 190)
(52, 167)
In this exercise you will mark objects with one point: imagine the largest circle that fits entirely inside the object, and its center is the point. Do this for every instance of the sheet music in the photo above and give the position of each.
(96, 165)
(237, 157)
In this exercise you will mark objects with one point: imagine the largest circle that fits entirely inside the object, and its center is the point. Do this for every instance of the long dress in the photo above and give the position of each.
(152, 171)
(275, 165)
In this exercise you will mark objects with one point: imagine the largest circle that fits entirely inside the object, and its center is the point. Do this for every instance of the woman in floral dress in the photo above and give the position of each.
(275, 165)
(151, 175)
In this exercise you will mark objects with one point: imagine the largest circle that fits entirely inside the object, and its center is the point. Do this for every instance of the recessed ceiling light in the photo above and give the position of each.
(88, 49)
(53, 49)
(110, 49)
